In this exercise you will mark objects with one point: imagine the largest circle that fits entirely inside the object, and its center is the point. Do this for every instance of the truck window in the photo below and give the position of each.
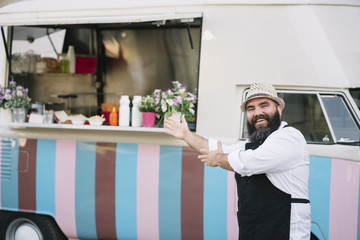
(131, 59)
(303, 111)
(344, 126)
(355, 93)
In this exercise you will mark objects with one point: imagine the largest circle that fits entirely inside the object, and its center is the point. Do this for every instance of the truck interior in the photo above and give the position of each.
(130, 59)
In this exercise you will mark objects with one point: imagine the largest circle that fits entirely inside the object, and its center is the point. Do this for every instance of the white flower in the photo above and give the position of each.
(163, 105)
(7, 96)
(19, 93)
(170, 102)
(192, 111)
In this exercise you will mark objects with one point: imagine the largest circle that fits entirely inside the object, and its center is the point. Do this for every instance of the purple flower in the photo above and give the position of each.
(157, 92)
(12, 83)
(178, 100)
(25, 91)
(170, 92)
(157, 99)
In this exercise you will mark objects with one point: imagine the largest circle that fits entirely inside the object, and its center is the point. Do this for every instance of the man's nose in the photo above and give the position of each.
(257, 111)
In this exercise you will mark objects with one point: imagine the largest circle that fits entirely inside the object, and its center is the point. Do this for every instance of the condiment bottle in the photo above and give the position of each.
(136, 119)
(113, 119)
(72, 59)
(124, 111)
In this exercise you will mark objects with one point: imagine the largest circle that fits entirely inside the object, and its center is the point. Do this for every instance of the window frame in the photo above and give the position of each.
(318, 94)
(348, 107)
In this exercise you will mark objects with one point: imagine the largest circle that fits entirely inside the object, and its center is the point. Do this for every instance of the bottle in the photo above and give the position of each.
(124, 111)
(72, 59)
(113, 119)
(64, 61)
(136, 119)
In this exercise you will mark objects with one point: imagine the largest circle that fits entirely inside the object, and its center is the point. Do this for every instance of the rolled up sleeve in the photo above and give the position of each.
(280, 152)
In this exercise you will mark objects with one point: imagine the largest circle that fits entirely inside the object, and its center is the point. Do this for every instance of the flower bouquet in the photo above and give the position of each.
(175, 100)
(14, 96)
(147, 107)
(147, 104)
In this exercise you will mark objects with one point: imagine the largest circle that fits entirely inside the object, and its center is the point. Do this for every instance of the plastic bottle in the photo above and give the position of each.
(113, 119)
(72, 59)
(64, 61)
(124, 111)
(136, 119)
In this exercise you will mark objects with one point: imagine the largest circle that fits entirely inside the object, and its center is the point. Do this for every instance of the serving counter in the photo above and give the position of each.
(104, 133)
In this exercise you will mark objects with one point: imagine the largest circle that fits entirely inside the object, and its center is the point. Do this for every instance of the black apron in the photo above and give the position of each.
(263, 209)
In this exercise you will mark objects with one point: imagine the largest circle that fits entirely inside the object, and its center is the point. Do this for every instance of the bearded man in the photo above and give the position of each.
(271, 168)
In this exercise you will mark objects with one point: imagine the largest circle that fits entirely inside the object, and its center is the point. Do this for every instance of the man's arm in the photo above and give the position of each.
(215, 158)
(181, 131)
(200, 144)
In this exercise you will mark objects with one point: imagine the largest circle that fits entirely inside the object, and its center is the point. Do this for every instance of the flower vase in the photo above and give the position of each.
(20, 115)
(5, 115)
(174, 115)
(148, 119)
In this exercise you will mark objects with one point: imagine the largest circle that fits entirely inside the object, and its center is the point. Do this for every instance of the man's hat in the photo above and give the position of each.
(259, 90)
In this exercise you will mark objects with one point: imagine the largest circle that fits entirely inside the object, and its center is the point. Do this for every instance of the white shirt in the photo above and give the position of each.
(284, 158)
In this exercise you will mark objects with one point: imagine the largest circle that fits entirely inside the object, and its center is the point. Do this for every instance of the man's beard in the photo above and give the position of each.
(259, 135)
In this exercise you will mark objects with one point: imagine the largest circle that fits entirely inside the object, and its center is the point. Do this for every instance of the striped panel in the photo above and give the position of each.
(105, 190)
(85, 189)
(232, 224)
(170, 192)
(45, 176)
(65, 186)
(192, 182)
(125, 191)
(358, 214)
(9, 174)
(215, 203)
(319, 193)
(148, 191)
(0, 167)
(27, 174)
(344, 200)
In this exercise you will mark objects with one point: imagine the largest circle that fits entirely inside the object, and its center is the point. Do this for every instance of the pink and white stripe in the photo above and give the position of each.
(65, 186)
(232, 226)
(0, 166)
(148, 191)
(344, 200)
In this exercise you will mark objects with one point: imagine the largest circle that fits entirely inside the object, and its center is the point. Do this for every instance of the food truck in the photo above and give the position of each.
(79, 181)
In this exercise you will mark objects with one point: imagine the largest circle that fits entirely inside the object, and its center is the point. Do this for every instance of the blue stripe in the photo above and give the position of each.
(170, 192)
(125, 191)
(9, 186)
(85, 189)
(45, 176)
(319, 194)
(215, 203)
(358, 223)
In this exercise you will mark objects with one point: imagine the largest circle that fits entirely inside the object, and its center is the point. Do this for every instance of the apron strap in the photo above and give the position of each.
(299, 200)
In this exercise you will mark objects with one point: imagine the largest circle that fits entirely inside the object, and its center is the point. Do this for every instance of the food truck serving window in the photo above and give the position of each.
(112, 59)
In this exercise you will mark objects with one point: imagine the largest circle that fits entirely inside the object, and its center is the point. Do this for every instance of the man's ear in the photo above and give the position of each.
(279, 108)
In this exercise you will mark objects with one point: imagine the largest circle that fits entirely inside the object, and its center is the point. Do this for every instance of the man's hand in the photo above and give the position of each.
(213, 158)
(177, 129)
